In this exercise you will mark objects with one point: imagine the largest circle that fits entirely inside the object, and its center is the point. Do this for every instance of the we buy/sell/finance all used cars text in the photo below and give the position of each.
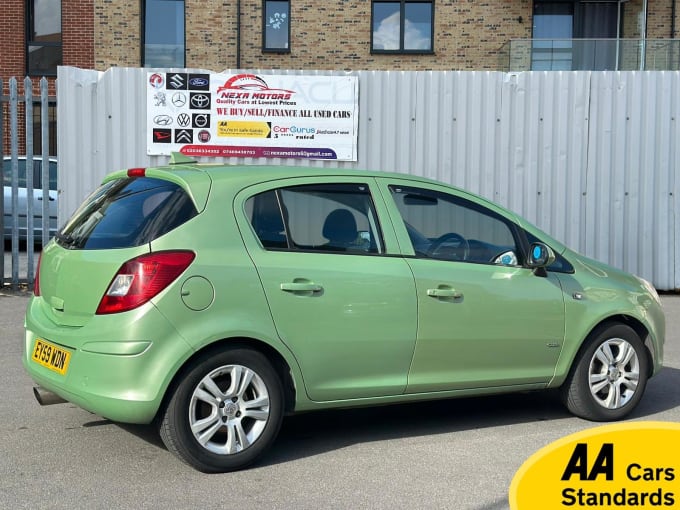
(212, 300)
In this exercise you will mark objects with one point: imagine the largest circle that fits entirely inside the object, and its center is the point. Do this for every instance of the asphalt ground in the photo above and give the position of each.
(453, 454)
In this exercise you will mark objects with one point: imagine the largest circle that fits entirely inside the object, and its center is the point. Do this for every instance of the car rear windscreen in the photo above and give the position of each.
(127, 212)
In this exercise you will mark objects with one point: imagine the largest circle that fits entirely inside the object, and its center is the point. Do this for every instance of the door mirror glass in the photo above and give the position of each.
(540, 255)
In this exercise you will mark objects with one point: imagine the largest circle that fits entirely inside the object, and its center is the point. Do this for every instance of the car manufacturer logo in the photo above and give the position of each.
(198, 82)
(201, 120)
(162, 135)
(162, 120)
(159, 98)
(156, 80)
(184, 135)
(177, 81)
(183, 120)
(179, 99)
(200, 101)
(204, 136)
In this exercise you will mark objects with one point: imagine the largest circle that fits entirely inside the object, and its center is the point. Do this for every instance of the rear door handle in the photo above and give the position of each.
(301, 287)
(444, 292)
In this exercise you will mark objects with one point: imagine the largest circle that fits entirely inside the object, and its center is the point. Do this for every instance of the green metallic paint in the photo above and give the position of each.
(358, 342)
(120, 387)
(356, 337)
(77, 281)
(607, 293)
(506, 328)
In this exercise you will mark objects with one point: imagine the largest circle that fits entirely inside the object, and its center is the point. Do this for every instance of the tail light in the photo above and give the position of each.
(36, 280)
(142, 278)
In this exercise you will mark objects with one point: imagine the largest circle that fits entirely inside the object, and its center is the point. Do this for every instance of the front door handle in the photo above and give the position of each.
(444, 292)
(304, 288)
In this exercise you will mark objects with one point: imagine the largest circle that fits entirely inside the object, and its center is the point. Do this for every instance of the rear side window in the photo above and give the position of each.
(126, 213)
(317, 217)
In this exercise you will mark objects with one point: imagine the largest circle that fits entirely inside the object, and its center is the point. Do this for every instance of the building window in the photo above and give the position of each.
(163, 33)
(405, 26)
(52, 128)
(276, 26)
(577, 35)
(43, 40)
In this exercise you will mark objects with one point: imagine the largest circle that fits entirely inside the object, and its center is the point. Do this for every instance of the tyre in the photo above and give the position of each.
(609, 375)
(225, 411)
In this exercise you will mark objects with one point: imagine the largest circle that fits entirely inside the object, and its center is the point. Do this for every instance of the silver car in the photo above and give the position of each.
(19, 217)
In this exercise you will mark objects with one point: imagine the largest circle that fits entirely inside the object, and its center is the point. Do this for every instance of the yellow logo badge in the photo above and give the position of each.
(631, 465)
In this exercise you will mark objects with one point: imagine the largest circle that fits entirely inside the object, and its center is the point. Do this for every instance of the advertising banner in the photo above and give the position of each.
(245, 115)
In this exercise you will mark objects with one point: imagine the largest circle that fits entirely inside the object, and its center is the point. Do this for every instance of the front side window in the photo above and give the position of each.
(447, 227)
(326, 218)
(43, 38)
(164, 33)
(276, 26)
(405, 26)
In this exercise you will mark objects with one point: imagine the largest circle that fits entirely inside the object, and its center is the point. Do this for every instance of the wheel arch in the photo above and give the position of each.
(281, 366)
(637, 326)
(627, 320)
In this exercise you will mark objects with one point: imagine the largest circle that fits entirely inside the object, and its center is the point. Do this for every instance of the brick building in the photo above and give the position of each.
(38, 35)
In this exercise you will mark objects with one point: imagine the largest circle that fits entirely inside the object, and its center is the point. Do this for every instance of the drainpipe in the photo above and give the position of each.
(643, 46)
(673, 11)
(238, 34)
(618, 35)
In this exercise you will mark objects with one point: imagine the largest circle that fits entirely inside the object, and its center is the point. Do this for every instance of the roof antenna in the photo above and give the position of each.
(177, 158)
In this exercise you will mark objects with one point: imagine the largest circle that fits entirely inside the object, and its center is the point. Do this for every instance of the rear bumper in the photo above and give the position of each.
(123, 375)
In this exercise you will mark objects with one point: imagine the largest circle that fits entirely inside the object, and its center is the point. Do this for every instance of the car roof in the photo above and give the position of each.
(253, 174)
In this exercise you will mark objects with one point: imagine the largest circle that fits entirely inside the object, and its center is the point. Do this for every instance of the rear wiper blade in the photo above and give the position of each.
(67, 239)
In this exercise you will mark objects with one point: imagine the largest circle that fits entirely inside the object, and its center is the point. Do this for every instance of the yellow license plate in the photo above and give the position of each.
(50, 356)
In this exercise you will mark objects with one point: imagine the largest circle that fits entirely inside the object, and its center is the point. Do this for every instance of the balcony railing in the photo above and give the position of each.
(590, 54)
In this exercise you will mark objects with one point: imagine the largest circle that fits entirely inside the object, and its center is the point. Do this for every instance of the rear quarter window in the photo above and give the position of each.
(127, 212)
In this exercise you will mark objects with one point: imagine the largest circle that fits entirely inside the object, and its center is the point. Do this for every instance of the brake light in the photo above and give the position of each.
(136, 172)
(36, 281)
(142, 278)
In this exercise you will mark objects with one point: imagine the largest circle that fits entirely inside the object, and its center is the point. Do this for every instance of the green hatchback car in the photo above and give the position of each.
(212, 300)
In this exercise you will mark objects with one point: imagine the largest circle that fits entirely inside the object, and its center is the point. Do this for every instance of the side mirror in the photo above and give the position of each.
(540, 256)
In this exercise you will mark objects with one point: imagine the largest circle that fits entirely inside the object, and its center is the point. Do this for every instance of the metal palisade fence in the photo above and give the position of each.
(26, 197)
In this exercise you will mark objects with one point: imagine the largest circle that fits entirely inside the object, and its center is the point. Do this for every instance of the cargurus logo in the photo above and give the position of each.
(303, 130)
(295, 130)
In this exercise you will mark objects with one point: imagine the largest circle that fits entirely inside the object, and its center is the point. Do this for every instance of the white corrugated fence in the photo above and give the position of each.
(588, 156)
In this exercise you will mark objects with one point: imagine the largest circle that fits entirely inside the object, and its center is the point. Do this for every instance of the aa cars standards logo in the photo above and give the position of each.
(632, 465)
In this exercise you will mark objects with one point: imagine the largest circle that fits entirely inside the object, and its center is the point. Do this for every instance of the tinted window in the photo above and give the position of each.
(447, 227)
(127, 212)
(326, 217)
